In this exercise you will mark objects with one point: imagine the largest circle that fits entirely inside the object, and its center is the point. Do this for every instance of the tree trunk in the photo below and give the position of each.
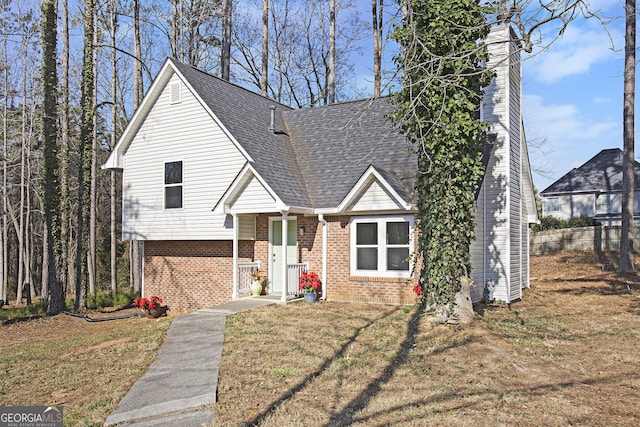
(137, 52)
(114, 129)
(93, 189)
(376, 17)
(86, 138)
(5, 139)
(331, 81)
(66, 215)
(50, 160)
(225, 59)
(625, 264)
(264, 80)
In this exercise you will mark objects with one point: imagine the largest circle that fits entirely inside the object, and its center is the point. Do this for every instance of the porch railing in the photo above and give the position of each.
(245, 270)
(293, 276)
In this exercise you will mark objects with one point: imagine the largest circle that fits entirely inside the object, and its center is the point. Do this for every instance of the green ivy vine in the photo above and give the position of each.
(438, 110)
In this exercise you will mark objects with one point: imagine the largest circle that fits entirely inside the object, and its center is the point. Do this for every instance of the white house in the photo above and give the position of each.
(217, 178)
(593, 189)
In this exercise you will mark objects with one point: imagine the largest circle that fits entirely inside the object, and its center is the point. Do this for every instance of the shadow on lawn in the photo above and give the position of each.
(307, 380)
(469, 399)
(347, 415)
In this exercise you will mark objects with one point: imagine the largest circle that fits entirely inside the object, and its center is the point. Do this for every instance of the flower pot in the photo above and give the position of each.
(156, 312)
(310, 297)
(256, 288)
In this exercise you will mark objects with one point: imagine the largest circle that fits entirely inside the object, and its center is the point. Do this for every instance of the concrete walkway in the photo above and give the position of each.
(184, 375)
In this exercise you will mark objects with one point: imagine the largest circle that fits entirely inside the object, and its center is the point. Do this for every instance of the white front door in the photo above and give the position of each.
(275, 247)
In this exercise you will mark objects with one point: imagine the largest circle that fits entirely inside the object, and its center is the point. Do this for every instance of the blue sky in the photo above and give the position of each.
(572, 95)
(572, 92)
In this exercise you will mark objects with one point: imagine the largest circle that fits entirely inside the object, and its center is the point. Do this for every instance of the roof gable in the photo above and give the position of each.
(336, 144)
(603, 172)
(373, 192)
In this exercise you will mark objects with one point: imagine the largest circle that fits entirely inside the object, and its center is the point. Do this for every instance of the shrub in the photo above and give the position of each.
(107, 299)
(550, 223)
(582, 221)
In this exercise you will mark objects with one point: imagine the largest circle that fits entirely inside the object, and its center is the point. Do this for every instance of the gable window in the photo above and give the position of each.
(381, 246)
(172, 185)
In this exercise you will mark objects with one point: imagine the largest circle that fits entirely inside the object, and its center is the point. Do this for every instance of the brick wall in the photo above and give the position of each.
(344, 287)
(190, 275)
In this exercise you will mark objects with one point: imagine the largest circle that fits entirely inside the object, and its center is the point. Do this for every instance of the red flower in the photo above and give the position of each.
(417, 289)
(147, 304)
(309, 282)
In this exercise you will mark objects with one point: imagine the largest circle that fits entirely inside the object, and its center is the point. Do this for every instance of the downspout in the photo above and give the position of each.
(325, 233)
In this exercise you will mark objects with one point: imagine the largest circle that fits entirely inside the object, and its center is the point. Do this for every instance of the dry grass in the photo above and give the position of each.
(86, 367)
(567, 354)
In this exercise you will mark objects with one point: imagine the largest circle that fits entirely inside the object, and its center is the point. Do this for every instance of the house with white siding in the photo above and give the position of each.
(593, 189)
(219, 181)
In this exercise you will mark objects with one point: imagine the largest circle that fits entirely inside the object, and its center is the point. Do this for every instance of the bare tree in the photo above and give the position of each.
(300, 54)
(331, 72)
(264, 78)
(225, 54)
(377, 24)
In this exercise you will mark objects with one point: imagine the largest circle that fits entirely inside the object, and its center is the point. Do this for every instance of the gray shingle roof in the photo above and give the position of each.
(603, 172)
(316, 154)
(336, 144)
(247, 117)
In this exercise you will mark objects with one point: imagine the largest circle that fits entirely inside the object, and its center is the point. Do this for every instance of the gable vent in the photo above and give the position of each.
(176, 92)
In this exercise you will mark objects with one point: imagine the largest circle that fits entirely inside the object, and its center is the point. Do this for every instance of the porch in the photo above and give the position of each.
(286, 291)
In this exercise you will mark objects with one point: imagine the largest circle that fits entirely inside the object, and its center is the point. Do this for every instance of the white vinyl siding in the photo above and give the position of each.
(569, 206)
(496, 256)
(503, 201)
(515, 174)
(187, 132)
(253, 197)
(375, 197)
(477, 252)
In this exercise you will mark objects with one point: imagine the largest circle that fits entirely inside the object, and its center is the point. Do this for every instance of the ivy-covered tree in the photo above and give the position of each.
(51, 190)
(438, 109)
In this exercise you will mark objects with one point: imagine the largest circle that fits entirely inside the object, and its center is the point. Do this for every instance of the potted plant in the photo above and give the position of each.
(257, 282)
(151, 306)
(309, 285)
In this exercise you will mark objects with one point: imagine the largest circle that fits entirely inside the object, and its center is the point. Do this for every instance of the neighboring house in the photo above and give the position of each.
(219, 181)
(593, 189)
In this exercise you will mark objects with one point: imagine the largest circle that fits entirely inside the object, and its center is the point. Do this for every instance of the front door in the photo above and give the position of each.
(275, 267)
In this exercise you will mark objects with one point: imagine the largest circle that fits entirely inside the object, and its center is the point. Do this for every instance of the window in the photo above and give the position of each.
(381, 246)
(552, 204)
(173, 185)
(609, 203)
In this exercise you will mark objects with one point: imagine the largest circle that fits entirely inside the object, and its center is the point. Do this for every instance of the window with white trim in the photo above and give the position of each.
(173, 185)
(380, 246)
(552, 204)
(609, 203)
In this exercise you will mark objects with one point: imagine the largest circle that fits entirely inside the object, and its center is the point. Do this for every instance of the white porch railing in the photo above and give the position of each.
(293, 277)
(245, 270)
